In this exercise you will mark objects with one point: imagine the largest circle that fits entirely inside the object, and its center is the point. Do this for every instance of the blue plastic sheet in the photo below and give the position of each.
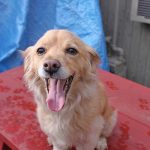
(22, 22)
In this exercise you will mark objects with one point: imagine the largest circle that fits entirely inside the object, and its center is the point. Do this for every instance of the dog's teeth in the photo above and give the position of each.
(47, 84)
(67, 84)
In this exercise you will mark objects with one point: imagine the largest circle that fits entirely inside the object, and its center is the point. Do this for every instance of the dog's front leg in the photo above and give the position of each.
(90, 144)
(92, 138)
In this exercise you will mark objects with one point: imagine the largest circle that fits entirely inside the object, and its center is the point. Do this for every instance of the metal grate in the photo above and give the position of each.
(140, 11)
(144, 8)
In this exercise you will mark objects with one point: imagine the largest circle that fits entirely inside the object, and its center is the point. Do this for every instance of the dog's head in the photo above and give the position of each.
(56, 61)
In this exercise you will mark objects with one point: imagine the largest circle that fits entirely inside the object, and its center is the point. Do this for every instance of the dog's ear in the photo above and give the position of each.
(25, 52)
(94, 58)
(21, 52)
(28, 65)
(27, 58)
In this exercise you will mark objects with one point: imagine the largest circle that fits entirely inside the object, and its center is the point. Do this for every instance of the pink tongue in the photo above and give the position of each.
(56, 96)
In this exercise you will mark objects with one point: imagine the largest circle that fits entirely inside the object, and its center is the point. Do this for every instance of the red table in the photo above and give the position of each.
(20, 130)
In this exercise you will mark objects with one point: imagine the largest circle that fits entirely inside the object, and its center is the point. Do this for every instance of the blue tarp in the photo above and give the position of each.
(22, 22)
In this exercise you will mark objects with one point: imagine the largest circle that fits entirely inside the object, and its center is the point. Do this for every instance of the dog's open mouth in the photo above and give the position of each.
(57, 90)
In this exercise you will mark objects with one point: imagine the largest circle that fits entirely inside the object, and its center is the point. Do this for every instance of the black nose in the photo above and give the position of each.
(51, 66)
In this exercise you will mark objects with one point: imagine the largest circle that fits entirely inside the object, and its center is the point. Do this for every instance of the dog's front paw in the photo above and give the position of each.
(102, 144)
(58, 148)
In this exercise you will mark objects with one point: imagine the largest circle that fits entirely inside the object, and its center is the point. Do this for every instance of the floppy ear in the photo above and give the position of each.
(25, 52)
(27, 58)
(28, 66)
(21, 52)
(94, 58)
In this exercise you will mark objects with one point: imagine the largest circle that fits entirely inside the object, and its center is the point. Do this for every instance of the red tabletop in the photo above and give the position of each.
(20, 130)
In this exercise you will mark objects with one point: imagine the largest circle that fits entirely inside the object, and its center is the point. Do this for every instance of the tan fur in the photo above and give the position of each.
(86, 99)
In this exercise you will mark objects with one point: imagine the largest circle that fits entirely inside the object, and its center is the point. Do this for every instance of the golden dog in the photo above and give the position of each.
(72, 108)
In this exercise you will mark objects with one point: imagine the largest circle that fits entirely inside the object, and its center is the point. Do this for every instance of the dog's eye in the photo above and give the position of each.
(71, 51)
(41, 50)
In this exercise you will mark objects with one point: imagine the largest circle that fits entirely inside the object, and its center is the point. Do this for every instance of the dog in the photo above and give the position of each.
(72, 108)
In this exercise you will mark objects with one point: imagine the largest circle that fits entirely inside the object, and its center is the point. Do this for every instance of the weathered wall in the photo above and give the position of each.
(133, 37)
